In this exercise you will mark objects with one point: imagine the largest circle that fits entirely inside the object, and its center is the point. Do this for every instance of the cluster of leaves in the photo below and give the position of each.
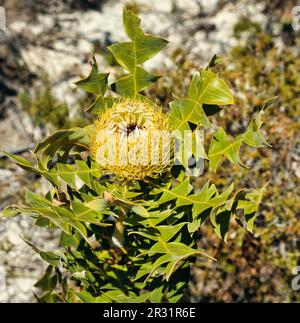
(134, 242)
(260, 268)
(253, 268)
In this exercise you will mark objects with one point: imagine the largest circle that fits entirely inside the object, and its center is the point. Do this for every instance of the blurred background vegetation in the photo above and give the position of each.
(261, 60)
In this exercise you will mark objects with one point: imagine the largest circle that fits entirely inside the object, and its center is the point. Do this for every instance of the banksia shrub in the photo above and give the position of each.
(122, 191)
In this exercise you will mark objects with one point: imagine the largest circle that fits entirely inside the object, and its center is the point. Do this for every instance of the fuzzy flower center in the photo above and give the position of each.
(132, 140)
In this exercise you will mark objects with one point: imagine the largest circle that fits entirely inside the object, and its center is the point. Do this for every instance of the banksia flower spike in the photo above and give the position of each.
(132, 140)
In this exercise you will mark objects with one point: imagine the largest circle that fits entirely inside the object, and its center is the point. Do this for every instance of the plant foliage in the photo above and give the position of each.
(135, 242)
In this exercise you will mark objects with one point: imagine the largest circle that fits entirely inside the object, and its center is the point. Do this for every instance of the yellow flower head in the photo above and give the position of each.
(132, 140)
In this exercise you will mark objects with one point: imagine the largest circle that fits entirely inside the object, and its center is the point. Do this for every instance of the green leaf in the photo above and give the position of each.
(185, 111)
(59, 140)
(192, 145)
(131, 54)
(253, 136)
(250, 205)
(9, 211)
(153, 218)
(101, 104)
(95, 83)
(222, 146)
(74, 175)
(179, 192)
(67, 217)
(174, 253)
(36, 200)
(22, 162)
(140, 210)
(69, 240)
(86, 214)
(134, 83)
(222, 224)
(19, 160)
(206, 87)
(131, 24)
(167, 232)
(162, 233)
(77, 175)
(97, 204)
(49, 214)
(124, 54)
(87, 297)
(207, 198)
(59, 215)
(269, 102)
(53, 258)
(47, 282)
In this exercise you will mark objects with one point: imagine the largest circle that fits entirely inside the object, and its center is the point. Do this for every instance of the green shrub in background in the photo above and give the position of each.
(46, 110)
(136, 239)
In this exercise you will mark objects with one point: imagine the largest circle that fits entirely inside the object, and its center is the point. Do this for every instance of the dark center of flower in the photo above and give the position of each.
(130, 128)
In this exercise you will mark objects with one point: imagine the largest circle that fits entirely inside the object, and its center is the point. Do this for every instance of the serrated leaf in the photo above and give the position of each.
(86, 214)
(67, 216)
(206, 87)
(95, 82)
(167, 232)
(162, 233)
(47, 283)
(253, 136)
(19, 160)
(222, 219)
(269, 102)
(101, 104)
(87, 297)
(222, 146)
(53, 258)
(131, 24)
(179, 192)
(64, 140)
(250, 205)
(131, 54)
(9, 211)
(75, 175)
(183, 112)
(134, 83)
(97, 204)
(174, 252)
(207, 198)
(36, 200)
(49, 214)
(153, 218)
(192, 145)
(22, 162)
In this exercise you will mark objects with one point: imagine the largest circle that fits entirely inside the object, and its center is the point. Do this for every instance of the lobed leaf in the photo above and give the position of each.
(131, 54)
(222, 146)
(95, 82)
